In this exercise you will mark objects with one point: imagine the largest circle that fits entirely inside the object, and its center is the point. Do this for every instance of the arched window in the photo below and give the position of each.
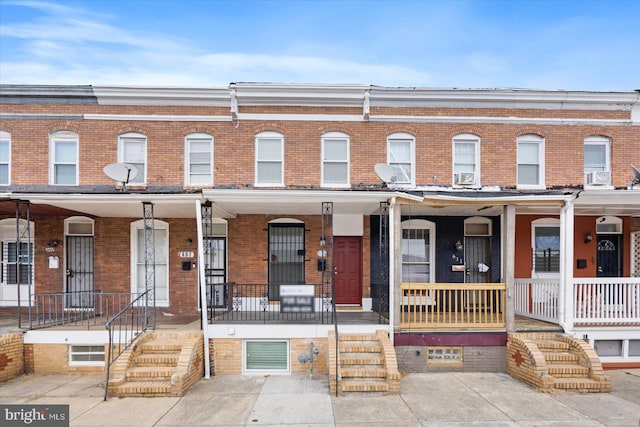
(401, 154)
(132, 149)
(466, 160)
(545, 236)
(161, 251)
(5, 158)
(335, 160)
(531, 162)
(269, 159)
(198, 155)
(597, 161)
(63, 158)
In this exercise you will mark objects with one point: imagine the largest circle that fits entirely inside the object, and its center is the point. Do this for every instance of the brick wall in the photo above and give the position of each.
(54, 359)
(234, 146)
(226, 355)
(475, 359)
(11, 356)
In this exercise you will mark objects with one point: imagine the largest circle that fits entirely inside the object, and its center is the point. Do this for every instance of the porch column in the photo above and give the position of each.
(509, 259)
(202, 283)
(395, 263)
(565, 297)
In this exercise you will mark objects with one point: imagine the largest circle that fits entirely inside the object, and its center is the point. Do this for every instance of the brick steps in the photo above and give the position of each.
(159, 365)
(584, 385)
(366, 364)
(568, 370)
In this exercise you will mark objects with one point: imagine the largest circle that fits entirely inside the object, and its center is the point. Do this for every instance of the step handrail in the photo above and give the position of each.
(129, 323)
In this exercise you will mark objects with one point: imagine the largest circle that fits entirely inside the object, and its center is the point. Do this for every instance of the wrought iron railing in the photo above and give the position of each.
(81, 308)
(124, 328)
(452, 305)
(250, 303)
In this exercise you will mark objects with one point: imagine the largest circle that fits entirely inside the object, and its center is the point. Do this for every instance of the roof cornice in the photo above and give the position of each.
(143, 95)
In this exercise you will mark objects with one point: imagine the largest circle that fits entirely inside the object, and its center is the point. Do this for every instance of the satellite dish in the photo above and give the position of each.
(636, 178)
(121, 172)
(385, 172)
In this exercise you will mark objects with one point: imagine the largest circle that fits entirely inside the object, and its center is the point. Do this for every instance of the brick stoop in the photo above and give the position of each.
(552, 361)
(159, 364)
(366, 363)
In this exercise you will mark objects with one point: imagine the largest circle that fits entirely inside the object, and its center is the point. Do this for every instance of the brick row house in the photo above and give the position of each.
(441, 220)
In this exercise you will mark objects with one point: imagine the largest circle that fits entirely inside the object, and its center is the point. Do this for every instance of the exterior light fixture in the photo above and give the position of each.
(459, 246)
(588, 237)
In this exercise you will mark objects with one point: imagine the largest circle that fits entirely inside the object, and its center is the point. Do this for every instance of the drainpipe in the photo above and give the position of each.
(203, 292)
(392, 267)
(565, 294)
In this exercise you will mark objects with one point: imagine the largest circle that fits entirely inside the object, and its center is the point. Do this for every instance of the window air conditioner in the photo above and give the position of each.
(599, 178)
(465, 178)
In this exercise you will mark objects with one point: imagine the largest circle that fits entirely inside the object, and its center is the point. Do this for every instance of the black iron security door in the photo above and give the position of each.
(79, 271)
(286, 257)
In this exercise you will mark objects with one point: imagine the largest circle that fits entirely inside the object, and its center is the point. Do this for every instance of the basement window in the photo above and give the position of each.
(444, 356)
(634, 348)
(608, 348)
(86, 355)
(266, 356)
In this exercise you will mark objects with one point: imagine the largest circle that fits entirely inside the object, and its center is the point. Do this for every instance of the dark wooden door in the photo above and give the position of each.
(608, 255)
(347, 258)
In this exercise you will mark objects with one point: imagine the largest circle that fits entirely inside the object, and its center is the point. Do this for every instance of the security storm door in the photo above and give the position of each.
(347, 257)
(608, 255)
(477, 255)
(161, 237)
(79, 273)
(286, 256)
(215, 271)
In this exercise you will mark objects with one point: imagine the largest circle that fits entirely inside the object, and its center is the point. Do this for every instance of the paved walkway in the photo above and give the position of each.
(439, 399)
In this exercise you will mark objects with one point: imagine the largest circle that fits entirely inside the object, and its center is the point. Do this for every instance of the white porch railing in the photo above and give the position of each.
(538, 298)
(602, 300)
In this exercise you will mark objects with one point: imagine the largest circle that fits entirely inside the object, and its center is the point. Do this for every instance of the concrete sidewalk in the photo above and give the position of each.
(454, 399)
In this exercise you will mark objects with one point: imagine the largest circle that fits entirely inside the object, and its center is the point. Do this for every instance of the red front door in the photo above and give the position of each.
(347, 258)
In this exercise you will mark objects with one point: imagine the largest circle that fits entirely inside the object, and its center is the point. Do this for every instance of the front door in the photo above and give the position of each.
(79, 254)
(215, 270)
(477, 254)
(608, 255)
(347, 258)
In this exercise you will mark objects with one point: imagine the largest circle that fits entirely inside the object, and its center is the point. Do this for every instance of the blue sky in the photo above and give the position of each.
(574, 45)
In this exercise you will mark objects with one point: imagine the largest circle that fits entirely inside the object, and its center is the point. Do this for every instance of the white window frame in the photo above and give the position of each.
(5, 137)
(87, 362)
(540, 141)
(422, 224)
(606, 142)
(63, 137)
(199, 137)
(133, 137)
(339, 137)
(466, 138)
(269, 136)
(245, 370)
(403, 137)
(544, 222)
(136, 226)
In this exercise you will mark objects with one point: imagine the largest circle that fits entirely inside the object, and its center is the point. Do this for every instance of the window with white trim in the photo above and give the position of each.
(531, 161)
(418, 250)
(87, 355)
(199, 159)
(5, 158)
(597, 159)
(63, 158)
(401, 155)
(335, 160)
(269, 159)
(266, 356)
(546, 247)
(132, 149)
(466, 156)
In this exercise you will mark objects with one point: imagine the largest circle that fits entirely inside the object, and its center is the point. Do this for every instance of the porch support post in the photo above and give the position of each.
(203, 290)
(395, 254)
(509, 259)
(565, 297)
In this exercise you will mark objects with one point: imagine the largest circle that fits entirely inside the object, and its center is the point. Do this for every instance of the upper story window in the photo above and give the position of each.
(63, 158)
(132, 149)
(335, 160)
(401, 155)
(5, 158)
(597, 166)
(269, 159)
(466, 160)
(531, 161)
(199, 159)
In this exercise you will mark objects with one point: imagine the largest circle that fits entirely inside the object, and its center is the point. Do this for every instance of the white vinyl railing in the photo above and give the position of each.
(602, 300)
(537, 298)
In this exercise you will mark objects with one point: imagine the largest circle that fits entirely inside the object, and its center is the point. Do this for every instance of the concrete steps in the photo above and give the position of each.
(366, 364)
(159, 364)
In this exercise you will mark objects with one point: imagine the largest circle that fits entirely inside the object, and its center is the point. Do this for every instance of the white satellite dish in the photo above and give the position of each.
(636, 178)
(121, 172)
(385, 172)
